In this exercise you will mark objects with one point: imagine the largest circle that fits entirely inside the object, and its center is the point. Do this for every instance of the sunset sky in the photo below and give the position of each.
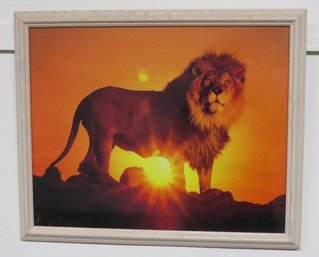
(67, 64)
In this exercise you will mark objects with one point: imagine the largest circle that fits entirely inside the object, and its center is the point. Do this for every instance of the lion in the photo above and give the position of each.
(186, 122)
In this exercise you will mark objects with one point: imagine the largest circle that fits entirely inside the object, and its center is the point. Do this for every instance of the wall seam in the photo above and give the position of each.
(12, 52)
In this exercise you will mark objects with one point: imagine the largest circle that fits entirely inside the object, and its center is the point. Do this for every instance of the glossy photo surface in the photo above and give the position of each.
(246, 191)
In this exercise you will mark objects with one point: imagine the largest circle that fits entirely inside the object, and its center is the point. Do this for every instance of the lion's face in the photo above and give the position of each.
(215, 96)
(213, 91)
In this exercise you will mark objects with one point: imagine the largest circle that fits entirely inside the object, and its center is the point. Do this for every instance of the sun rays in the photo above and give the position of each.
(157, 169)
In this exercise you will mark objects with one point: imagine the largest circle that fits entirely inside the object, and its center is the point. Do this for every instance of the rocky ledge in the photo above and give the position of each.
(100, 201)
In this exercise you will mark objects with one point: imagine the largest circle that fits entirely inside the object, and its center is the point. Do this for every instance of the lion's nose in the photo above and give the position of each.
(217, 90)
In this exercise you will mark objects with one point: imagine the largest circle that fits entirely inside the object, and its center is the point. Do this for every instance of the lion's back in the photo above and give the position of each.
(119, 98)
(119, 106)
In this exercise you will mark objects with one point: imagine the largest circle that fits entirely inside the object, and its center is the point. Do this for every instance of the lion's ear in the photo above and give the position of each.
(196, 71)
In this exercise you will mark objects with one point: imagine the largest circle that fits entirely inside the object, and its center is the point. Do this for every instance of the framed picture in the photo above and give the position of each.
(172, 127)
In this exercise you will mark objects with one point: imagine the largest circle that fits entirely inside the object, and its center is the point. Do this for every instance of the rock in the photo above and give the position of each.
(212, 209)
(95, 199)
(278, 206)
(133, 177)
(217, 195)
(52, 175)
(101, 178)
(76, 179)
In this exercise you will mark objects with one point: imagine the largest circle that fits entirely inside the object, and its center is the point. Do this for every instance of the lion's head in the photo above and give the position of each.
(215, 95)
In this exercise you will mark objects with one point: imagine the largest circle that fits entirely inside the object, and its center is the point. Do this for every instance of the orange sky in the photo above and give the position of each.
(68, 63)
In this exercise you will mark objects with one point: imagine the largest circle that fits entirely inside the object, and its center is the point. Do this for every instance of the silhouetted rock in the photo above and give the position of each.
(97, 200)
(133, 177)
(278, 205)
(213, 208)
(102, 179)
(94, 178)
(76, 179)
(53, 175)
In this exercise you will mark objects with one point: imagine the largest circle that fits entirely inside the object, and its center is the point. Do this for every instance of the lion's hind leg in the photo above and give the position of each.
(96, 162)
(102, 149)
(89, 162)
(102, 146)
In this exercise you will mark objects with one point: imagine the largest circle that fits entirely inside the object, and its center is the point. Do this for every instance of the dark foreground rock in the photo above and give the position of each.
(95, 201)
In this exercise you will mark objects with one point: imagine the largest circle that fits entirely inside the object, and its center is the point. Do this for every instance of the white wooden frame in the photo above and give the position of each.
(295, 19)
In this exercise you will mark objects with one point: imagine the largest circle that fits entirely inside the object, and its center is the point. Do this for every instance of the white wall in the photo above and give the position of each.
(10, 243)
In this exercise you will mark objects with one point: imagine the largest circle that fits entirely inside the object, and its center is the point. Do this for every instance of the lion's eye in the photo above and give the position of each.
(226, 82)
(196, 71)
(207, 82)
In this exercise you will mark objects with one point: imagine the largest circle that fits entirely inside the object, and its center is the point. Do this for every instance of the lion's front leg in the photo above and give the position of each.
(177, 167)
(205, 177)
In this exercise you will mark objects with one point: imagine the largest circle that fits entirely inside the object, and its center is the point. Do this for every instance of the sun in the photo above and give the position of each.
(157, 171)
(142, 76)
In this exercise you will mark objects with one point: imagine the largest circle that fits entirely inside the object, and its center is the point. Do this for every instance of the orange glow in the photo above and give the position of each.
(157, 169)
(66, 64)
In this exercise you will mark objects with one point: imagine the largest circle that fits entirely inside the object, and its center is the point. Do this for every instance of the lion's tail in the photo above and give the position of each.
(72, 135)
